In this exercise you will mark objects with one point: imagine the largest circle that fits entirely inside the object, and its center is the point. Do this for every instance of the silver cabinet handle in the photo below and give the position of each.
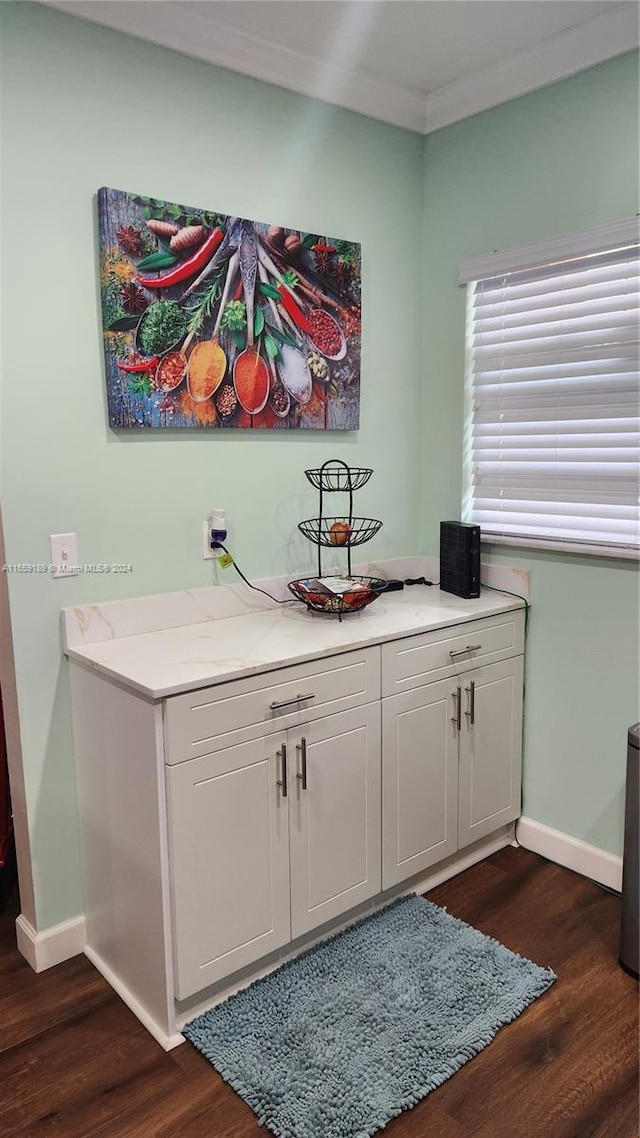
(276, 705)
(468, 648)
(457, 718)
(471, 692)
(302, 748)
(282, 782)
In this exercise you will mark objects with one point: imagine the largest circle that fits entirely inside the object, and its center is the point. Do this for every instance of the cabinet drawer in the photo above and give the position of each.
(203, 721)
(418, 660)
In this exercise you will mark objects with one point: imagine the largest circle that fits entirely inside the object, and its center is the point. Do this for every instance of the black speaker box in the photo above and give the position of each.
(460, 559)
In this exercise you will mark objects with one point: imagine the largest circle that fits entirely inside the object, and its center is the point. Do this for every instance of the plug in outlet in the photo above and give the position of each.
(214, 527)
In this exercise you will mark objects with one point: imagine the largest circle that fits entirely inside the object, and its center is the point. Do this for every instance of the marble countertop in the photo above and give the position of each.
(178, 659)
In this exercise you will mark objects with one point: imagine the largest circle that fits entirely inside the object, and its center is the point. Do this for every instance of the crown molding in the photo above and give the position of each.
(577, 49)
(188, 30)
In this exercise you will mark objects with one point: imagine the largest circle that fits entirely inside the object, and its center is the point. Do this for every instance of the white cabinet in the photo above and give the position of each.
(334, 816)
(225, 825)
(419, 781)
(270, 839)
(490, 740)
(452, 750)
(229, 857)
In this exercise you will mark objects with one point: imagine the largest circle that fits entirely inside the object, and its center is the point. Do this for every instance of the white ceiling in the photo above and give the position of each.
(416, 63)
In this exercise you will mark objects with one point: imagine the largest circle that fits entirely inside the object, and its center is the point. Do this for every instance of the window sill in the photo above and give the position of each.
(578, 550)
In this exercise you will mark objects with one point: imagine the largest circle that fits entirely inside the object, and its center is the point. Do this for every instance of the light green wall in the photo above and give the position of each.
(561, 159)
(84, 107)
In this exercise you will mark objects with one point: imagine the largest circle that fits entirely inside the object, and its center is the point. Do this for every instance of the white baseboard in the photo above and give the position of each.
(166, 1041)
(460, 861)
(590, 861)
(46, 949)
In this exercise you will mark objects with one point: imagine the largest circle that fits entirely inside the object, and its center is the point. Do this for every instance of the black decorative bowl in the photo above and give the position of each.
(359, 530)
(335, 475)
(333, 603)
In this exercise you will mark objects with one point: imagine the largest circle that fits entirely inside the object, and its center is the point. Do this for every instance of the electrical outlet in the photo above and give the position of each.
(208, 553)
(216, 522)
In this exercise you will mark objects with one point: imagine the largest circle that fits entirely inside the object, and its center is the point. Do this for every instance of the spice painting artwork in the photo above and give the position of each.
(212, 321)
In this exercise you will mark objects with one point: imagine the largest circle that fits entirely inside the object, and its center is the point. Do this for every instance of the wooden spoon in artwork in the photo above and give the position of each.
(208, 363)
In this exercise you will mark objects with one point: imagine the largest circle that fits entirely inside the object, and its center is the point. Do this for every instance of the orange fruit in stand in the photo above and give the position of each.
(339, 533)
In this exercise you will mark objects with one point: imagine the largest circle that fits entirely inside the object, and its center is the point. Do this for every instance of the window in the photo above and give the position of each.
(552, 446)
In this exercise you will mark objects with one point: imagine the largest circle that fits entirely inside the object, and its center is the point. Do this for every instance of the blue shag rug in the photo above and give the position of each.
(339, 1041)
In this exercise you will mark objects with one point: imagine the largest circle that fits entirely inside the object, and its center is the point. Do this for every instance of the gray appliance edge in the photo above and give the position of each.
(629, 924)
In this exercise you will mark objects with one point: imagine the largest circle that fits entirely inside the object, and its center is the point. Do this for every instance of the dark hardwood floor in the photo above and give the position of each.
(74, 1062)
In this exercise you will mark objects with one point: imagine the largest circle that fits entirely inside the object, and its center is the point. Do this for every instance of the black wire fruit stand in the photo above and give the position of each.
(333, 532)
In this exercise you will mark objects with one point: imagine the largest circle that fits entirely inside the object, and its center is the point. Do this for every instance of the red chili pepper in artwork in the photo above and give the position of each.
(319, 247)
(187, 268)
(294, 311)
(136, 367)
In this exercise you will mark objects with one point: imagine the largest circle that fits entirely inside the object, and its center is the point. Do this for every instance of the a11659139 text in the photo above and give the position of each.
(42, 567)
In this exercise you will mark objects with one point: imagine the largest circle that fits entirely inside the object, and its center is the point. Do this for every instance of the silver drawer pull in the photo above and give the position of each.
(301, 747)
(471, 692)
(469, 648)
(457, 704)
(282, 782)
(276, 705)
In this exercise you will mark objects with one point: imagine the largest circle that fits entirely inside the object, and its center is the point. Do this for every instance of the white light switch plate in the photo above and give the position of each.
(64, 554)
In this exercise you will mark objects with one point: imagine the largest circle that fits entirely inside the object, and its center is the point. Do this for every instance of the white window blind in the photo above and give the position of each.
(553, 439)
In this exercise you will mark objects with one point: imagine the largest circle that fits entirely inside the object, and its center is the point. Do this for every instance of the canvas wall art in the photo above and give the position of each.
(213, 321)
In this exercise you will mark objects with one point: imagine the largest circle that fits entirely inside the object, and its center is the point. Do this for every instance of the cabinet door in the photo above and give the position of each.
(229, 848)
(335, 817)
(419, 780)
(490, 749)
